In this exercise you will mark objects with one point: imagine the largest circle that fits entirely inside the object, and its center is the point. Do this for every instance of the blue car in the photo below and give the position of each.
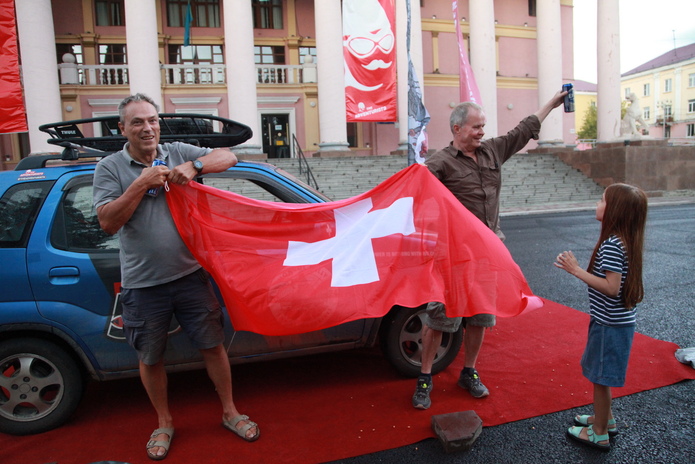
(60, 316)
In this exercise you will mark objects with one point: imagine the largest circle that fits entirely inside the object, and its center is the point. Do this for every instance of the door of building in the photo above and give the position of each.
(276, 135)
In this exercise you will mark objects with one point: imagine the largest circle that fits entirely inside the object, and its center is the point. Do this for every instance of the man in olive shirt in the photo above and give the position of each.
(471, 168)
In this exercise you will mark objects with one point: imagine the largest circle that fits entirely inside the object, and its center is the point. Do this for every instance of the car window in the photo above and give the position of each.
(19, 207)
(243, 187)
(76, 226)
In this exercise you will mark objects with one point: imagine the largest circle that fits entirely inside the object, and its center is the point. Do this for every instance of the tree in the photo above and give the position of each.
(589, 125)
(588, 129)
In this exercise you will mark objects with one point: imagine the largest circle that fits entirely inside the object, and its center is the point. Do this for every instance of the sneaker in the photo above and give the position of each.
(421, 397)
(473, 384)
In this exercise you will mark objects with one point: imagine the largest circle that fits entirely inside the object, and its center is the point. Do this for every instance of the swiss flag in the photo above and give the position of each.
(293, 268)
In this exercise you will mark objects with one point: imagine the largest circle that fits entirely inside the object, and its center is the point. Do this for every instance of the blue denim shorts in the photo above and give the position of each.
(147, 314)
(436, 319)
(606, 354)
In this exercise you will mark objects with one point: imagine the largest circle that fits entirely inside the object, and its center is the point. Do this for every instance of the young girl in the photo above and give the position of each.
(614, 277)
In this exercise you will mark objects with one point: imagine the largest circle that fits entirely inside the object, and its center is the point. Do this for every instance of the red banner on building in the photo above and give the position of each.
(293, 268)
(369, 49)
(13, 116)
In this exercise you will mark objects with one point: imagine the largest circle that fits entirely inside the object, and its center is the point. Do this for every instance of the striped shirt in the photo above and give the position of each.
(605, 309)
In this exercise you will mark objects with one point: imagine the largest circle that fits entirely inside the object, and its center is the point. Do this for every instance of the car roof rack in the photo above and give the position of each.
(196, 129)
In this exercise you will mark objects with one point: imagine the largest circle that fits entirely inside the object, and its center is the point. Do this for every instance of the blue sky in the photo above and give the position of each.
(647, 30)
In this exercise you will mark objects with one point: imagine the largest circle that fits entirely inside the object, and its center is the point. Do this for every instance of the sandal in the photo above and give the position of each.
(583, 421)
(158, 443)
(231, 425)
(592, 439)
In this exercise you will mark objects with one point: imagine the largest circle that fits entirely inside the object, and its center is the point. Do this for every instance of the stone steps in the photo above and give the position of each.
(527, 179)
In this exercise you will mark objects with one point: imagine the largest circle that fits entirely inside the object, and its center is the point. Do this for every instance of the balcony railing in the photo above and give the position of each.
(194, 74)
(173, 74)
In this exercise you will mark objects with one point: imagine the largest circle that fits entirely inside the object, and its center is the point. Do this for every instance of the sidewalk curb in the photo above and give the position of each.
(586, 206)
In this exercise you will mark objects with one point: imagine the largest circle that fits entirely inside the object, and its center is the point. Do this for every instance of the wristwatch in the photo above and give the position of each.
(198, 165)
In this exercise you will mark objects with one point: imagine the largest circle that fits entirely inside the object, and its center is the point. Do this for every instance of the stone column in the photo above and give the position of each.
(483, 58)
(608, 67)
(241, 71)
(402, 74)
(144, 74)
(39, 69)
(549, 43)
(331, 80)
(416, 44)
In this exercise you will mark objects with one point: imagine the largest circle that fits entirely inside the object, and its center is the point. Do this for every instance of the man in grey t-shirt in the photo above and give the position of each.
(159, 276)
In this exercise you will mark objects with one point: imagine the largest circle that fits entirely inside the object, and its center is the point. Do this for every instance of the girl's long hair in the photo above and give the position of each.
(625, 216)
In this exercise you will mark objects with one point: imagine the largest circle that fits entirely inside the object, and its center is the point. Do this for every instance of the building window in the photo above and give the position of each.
(206, 13)
(304, 52)
(73, 49)
(691, 106)
(352, 134)
(195, 56)
(667, 110)
(690, 130)
(646, 90)
(532, 7)
(627, 92)
(668, 83)
(76, 51)
(691, 80)
(113, 54)
(109, 12)
(267, 14)
(646, 114)
(269, 55)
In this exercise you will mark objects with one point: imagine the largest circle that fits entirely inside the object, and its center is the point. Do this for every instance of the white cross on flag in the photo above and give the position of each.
(293, 268)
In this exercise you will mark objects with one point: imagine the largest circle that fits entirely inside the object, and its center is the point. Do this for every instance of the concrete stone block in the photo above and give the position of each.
(457, 431)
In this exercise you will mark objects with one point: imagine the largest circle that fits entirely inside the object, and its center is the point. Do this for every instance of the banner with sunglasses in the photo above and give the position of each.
(369, 49)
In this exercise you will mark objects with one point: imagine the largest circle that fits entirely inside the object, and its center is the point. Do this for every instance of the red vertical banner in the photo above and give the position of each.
(13, 116)
(468, 88)
(369, 49)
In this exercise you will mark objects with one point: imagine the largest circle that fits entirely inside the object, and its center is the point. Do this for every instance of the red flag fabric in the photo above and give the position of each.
(468, 88)
(13, 116)
(369, 49)
(292, 268)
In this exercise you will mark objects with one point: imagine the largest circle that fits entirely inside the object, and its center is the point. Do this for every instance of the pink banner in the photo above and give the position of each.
(467, 87)
(13, 116)
(369, 49)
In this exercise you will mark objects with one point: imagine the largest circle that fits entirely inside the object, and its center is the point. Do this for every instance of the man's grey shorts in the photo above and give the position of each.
(435, 318)
(147, 315)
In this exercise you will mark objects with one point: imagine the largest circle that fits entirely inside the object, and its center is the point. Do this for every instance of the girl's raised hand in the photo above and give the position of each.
(567, 261)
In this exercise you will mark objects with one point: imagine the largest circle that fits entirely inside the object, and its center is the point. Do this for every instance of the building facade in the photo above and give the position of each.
(276, 65)
(665, 90)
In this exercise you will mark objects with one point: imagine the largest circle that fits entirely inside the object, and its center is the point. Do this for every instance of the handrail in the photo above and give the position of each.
(310, 179)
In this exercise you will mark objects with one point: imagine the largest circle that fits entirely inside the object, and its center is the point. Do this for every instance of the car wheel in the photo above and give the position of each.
(40, 386)
(401, 341)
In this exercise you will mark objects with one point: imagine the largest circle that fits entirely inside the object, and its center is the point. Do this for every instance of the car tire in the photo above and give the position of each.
(40, 386)
(401, 341)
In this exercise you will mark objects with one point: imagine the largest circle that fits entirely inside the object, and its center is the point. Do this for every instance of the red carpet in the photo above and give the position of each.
(328, 407)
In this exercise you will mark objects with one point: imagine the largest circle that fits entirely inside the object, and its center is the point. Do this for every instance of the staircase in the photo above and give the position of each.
(527, 179)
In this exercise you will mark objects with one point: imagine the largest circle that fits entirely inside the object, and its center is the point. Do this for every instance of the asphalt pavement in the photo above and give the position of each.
(657, 426)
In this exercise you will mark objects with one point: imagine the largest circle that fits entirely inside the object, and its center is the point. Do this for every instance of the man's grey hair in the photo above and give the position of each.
(459, 115)
(138, 97)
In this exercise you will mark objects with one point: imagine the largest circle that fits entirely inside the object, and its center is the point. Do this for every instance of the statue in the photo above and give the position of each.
(633, 118)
